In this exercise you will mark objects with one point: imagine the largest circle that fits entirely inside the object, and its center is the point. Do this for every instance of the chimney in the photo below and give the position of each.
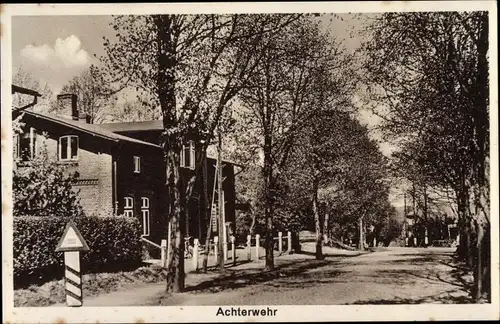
(69, 107)
(68, 104)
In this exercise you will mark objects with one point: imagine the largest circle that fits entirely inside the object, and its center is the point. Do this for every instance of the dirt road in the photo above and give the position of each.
(390, 276)
(397, 275)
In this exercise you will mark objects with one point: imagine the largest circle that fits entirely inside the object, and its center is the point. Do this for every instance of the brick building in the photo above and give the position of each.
(121, 169)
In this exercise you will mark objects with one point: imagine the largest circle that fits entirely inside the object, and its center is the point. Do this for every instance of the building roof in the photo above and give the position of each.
(150, 125)
(92, 129)
(22, 90)
(110, 131)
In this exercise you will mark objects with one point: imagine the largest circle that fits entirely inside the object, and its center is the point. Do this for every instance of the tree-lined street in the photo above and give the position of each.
(379, 150)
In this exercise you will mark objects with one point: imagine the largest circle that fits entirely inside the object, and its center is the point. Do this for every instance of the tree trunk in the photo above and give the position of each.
(486, 249)
(175, 268)
(465, 245)
(207, 214)
(326, 229)
(479, 266)
(361, 236)
(268, 210)
(166, 47)
(318, 223)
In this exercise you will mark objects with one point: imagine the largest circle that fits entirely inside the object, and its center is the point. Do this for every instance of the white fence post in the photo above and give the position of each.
(289, 242)
(195, 254)
(216, 249)
(280, 242)
(414, 241)
(163, 253)
(249, 247)
(233, 249)
(374, 242)
(257, 246)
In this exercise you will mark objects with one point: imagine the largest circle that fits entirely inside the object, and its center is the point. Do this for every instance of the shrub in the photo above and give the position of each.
(114, 244)
(42, 187)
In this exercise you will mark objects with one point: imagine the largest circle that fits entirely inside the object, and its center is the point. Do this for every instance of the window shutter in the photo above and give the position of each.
(63, 148)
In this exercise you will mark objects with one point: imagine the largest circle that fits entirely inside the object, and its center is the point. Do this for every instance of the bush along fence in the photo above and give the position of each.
(114, 244)
(250, 251)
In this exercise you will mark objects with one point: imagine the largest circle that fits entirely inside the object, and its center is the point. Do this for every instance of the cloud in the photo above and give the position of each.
(66, 52)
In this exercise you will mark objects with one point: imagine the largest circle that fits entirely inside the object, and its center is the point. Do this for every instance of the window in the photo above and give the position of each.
(25, 145)
(145, 216)
(145, 202)
(187, 155)
(137, 164)
(68, 148)
(128, 209)
(129, 202)
(145, 222)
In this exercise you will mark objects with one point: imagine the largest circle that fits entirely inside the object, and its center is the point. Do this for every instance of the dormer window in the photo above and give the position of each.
(68, 148)
(137, 164)
(188, 155)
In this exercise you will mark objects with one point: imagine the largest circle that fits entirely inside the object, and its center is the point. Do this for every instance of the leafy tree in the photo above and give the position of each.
(129, 111)
(25, 79)
(290, 85)
(389, 227)
(428, 74)
(94, 96)
(192, 67)
(42, 187)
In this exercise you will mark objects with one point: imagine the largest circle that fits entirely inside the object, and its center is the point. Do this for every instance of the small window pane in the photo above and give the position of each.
(74, 147)
(145, 222)
(145, 202)
(129, 202)
(187, 156)
(137, 164)
(64, 148)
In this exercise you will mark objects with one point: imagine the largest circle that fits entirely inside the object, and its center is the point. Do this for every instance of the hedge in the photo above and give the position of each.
(114, 244)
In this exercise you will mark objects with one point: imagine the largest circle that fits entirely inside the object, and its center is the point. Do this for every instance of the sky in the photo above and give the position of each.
(54, 49)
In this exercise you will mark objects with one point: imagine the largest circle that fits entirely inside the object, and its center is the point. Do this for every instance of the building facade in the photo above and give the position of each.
(121, 169)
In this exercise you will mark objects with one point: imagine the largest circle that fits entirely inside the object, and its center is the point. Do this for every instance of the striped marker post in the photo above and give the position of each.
(73, 279)
(72, 243)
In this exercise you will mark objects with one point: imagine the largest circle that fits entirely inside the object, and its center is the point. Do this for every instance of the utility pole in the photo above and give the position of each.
(222, 239)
